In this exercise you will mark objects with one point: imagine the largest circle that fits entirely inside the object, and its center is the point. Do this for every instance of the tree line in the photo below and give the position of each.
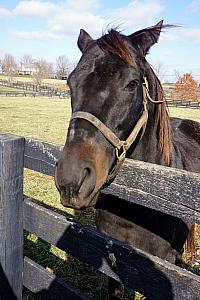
(38, 68)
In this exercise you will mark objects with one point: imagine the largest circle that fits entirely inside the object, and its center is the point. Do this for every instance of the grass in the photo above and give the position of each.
(47, 119)
(40, 118)
(7, 89)
(185, 113)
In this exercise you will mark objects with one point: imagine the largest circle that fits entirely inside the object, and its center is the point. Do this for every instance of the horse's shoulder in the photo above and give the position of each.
(189, 128)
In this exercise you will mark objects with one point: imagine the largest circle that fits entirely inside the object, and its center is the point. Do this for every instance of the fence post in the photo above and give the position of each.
(11, 216)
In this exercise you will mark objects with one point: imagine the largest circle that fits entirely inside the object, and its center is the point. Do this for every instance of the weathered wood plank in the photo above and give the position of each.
(172, 191)
(40, 156)
(47, 285)
(11, 216)
(132, 195)
(153, 277)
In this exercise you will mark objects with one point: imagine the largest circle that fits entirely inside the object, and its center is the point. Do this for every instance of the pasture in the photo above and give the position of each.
(5, 89)
(47, 120)
(55, 83)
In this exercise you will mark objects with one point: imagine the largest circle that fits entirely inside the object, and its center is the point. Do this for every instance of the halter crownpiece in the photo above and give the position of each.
(111, 136)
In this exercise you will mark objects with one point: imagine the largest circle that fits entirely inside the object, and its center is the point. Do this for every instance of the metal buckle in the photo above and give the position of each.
(121, 157)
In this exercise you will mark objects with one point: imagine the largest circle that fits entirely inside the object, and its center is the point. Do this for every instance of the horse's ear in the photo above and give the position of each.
(83, 40)
(146, 38)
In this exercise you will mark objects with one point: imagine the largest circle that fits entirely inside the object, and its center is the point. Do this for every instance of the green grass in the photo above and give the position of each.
(47, 119)
(185, 113)
(40, 118)
(7, 89)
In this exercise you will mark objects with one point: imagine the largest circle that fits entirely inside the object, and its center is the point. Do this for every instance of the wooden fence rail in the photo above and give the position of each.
(37, 90)
(172, 191)
(183, 103)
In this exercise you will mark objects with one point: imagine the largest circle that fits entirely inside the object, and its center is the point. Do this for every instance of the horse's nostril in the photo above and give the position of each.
(88, 180)
(86, 172)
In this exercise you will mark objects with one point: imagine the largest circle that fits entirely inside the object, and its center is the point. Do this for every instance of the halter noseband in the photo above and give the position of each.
(110, 135)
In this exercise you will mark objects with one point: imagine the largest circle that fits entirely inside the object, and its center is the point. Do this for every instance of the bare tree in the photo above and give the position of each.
(26, 59)
(73, 64)
(160, 70)
(43, 69)
(1, 62)
(9, 65)
(177, 74)
(63, 67)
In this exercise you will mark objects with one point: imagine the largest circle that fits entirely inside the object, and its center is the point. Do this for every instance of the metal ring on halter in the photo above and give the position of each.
(121, 156)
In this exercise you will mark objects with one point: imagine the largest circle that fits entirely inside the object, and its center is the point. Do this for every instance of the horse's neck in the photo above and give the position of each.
(147, 149)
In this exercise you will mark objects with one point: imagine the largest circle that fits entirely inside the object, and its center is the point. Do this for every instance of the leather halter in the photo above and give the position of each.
(110, 135)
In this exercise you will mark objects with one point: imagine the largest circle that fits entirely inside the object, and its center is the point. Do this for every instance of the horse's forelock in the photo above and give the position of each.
(116, 43)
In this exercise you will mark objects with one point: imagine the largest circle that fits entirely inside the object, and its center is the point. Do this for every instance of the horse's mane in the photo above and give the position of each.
(117, 44)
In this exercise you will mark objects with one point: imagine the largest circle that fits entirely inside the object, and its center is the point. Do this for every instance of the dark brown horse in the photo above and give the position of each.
(116, 97)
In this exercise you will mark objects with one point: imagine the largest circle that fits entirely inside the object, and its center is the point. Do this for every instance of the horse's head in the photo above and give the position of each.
(108, 84)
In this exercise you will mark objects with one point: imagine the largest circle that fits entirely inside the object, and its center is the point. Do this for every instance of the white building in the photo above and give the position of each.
(26, 69)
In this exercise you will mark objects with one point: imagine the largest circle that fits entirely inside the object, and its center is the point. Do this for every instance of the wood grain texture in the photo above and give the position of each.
(172, 191)
(46, 285)
(153, 277)
(40, 156)
(11, 216)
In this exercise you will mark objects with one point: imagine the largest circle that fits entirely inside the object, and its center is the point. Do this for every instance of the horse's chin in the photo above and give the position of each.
(78, 203)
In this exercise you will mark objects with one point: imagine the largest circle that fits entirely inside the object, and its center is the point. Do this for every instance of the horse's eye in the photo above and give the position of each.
(132, 85)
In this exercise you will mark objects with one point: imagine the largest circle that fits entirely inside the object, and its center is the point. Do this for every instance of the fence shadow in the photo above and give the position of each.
(6, 292)
(145, 277)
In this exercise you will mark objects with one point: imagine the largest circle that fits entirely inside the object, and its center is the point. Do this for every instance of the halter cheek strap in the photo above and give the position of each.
(111, 136)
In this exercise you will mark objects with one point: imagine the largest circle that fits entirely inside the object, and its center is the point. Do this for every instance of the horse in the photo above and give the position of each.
(119, 110)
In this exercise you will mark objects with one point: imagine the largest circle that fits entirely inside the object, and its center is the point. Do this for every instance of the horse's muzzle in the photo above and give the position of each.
(75, 182)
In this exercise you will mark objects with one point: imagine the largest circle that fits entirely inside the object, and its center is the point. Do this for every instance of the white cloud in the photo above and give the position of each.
(137, 14)
(4, 13)
(80, 5)
(36, 35)
(70, 21)
(66, 17)
(168, 36)
(193, 34)
(35, 8)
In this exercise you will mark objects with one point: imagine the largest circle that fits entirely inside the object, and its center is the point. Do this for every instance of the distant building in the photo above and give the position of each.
(26, 69)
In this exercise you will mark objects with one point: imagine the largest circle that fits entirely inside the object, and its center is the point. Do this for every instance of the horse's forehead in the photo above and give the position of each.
(95, 57)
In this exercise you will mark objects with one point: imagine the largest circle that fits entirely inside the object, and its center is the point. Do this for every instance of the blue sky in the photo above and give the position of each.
(49, 28)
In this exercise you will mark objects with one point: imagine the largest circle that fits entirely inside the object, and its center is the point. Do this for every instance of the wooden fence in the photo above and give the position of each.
(183, 103)
(169, 190)
(37, 90)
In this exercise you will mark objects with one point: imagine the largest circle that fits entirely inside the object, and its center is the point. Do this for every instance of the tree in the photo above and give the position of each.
(185, 88)
(160, 70)
(9, 65)
(1, 62)
(43, 69)
(62, 66)
(26, 59)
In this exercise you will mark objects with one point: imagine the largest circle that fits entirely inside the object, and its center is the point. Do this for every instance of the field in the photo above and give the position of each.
(54, 83)
(47, 119)
(185, 113)
(6, 89)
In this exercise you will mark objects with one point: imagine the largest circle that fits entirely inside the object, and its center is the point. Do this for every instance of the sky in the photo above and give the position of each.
(50, 28)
